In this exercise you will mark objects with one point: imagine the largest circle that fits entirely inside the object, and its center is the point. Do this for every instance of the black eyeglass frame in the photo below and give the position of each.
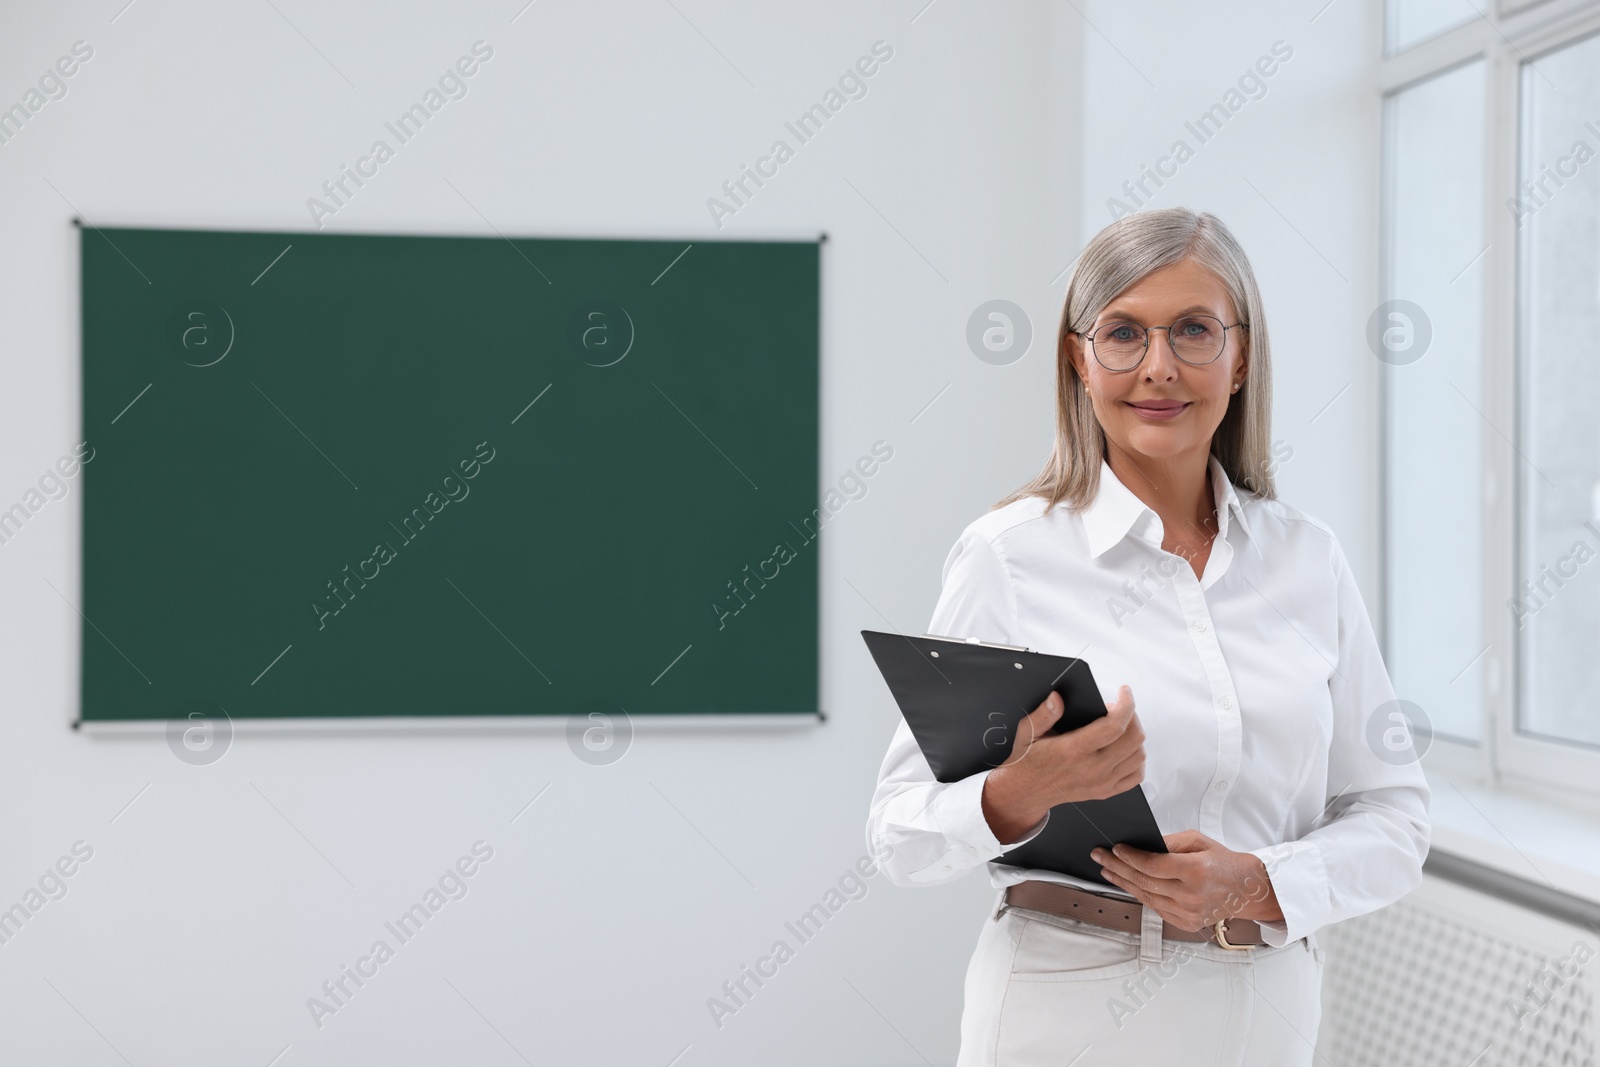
(1147, 332)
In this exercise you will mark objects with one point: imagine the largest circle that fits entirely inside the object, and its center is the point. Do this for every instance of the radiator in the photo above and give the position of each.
(1463, 973)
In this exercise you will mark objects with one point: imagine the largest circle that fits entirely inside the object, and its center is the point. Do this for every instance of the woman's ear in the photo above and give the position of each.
(1075, 354)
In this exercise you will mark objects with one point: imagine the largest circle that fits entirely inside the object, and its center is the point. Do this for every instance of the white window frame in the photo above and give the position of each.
(1515, 31)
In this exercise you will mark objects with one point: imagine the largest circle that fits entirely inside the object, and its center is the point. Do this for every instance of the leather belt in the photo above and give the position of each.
(1124, 915)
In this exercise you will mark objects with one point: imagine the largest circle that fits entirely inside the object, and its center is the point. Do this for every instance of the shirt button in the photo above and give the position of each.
(1226, 703)
(1222, 787)
(1200, 625)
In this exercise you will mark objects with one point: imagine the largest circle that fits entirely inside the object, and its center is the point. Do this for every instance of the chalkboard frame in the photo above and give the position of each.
(120, 241)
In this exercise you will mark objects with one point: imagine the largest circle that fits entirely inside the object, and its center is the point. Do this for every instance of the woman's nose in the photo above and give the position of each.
(1160, 362)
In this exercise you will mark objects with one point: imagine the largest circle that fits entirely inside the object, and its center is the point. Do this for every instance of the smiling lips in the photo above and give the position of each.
(1159, 409)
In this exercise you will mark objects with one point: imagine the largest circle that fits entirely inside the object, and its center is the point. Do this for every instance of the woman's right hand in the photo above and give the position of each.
(1093, 762)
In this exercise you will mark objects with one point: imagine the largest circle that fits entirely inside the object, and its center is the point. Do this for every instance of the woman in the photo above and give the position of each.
(1265, 735)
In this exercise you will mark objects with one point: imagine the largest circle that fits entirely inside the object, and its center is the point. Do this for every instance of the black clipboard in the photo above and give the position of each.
(963, 700)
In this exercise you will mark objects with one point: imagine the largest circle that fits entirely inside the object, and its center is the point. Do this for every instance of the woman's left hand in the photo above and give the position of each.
(1195, 883)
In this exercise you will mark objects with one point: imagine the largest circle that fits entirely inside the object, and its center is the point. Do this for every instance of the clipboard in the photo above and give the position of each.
(963, 700)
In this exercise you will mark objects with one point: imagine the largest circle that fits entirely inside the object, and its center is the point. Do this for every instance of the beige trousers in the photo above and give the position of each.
(1041, 989)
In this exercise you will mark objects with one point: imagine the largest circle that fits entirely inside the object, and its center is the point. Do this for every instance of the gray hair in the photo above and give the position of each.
(1116, 258)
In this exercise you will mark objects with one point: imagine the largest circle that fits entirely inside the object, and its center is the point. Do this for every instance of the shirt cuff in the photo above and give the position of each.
(959, 811)
(1300, 882)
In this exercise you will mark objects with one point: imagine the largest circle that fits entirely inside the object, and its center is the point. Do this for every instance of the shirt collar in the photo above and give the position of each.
(1115, 510)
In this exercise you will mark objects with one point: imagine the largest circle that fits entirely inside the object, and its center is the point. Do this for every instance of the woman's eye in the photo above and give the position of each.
(1121, 332)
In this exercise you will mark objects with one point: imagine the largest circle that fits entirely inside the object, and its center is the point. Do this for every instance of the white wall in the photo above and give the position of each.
(977, 164)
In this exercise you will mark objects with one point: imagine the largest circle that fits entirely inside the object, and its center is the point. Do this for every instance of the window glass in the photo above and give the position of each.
(1407, 22)
(1557, 606)
(1426, 335)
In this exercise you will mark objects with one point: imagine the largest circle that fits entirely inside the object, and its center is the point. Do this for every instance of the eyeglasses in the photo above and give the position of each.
(1196, 339)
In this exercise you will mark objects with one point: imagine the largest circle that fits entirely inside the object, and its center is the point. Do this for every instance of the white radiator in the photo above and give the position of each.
(1456, 977)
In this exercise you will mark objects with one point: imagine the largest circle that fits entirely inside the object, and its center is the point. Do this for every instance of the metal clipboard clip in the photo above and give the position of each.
(981, 644)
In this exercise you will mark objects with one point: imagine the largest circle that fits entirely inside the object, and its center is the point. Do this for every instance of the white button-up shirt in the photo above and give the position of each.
(1266, 707)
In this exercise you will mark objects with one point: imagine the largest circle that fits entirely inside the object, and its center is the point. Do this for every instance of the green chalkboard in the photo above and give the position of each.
(361, 476)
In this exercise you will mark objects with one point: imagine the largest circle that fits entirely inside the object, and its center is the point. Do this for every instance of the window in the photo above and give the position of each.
(1488, 341)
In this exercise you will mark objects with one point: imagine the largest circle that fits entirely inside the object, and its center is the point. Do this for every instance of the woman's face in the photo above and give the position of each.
(1164, 407)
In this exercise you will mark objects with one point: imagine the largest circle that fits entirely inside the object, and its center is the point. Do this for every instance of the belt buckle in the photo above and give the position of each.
(1219, 934)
